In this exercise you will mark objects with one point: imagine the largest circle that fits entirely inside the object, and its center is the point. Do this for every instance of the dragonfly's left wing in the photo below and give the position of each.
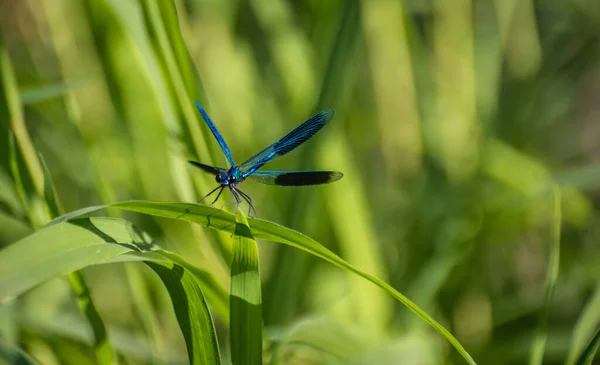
(289, 142)
(295, 178)
(207, 168)
(216, 133)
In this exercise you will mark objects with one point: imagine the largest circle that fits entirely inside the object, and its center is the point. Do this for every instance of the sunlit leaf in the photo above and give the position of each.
(245, 298)
(224, 221)
(59, 249)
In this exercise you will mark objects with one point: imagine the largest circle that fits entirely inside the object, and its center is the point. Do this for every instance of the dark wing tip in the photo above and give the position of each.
(335, 176)
(327, 114)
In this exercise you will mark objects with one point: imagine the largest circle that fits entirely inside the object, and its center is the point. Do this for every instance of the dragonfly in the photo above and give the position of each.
(230, 178)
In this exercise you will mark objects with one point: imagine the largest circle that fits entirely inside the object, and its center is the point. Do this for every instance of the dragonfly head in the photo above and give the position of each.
(222, 178)
(231, 177)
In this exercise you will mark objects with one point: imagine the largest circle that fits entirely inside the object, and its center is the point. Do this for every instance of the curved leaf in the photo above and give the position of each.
(224, 221)
(590, 351)
(59, 249)
(245, 298)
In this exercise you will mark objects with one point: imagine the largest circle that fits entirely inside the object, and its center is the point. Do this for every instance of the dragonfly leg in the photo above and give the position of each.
(237, 202)
(209, 194)
(218, 195)
(248, 199)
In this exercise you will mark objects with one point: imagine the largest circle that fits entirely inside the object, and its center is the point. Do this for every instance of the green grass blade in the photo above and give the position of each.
(10, 93)
(245, 298)
(50, 191)
(192, 313)
(10, 354)
(224, 221)
(588, 321)
(539, 342)
(102, 347)
(62, 248)
(16, 174)
(588, 355)
(58, 249)
(214, 292)
(48, 92)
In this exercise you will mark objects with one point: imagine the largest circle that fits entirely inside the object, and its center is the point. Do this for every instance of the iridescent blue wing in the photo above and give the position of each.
(216, 133)
(207, 168)
(295, 178)
(289, 142)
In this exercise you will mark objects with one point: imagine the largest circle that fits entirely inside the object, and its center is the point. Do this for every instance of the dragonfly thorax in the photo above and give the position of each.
(230, 177)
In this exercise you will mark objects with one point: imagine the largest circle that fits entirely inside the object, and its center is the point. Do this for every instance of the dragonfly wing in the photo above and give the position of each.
(207, 168)
(296, 178)
(216, 133)
(289, 142)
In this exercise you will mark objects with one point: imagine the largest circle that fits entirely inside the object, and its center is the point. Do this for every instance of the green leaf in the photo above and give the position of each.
(16, 174)
(50, 191)
(539, 343)
(48, 92)
(102, 347)
(588, 355)
(245, 298)
(587, 322)
(192, 312)
(11, 354)
(61, 248)
(224, 221)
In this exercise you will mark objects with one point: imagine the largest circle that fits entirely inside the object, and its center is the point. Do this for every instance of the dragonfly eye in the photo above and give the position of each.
(222, 178)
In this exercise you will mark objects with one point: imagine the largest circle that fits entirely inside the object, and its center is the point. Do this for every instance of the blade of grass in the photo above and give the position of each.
(69, 246)
(539, 342)
(224, 221)
(48, 92)
(245, 306)
(10, 354)
(102, 347)
(42, 184)
(14, 167)
(83, 242)
(192, 312)
(588, 355)
(584, 328)
(17, 122)
(50, 191)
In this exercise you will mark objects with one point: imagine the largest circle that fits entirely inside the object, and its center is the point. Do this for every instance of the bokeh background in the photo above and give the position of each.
(454, 121)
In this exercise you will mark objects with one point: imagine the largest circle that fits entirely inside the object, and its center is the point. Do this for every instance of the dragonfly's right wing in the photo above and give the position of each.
(296, 178)
(287, 143)
(207, 168)
(216, 133)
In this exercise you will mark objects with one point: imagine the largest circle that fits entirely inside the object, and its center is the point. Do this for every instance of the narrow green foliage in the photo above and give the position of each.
(50, 191)
(192, 313)
(588, 355)
(245, 300)
(214, 292)
(49, 92)
(14, 168)
(587, 322)
(224, 221)
(58, 249)
(537, 353)
(63, 248)
(102, 347)
(10, 354)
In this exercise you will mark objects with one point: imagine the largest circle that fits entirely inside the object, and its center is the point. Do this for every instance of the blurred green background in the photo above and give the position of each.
(454, 119)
